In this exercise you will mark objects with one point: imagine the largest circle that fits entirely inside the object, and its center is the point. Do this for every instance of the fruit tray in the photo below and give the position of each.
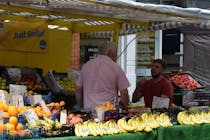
(66, 130)
(30, 77)
(183, 81)
(19, 135)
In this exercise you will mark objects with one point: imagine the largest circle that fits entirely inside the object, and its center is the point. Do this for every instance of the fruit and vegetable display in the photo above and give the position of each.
(183, 80)
(67, 84)
(30, 81)
(83, 123)
(3, 83)
(146, 122)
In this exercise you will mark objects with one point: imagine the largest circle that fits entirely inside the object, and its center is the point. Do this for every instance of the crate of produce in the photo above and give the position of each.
(30, 77)
(46, 96)
(183, 81)
(60, 83)
(4, 78)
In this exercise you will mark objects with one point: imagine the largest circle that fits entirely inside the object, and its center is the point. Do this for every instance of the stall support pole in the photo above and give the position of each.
(116, 33)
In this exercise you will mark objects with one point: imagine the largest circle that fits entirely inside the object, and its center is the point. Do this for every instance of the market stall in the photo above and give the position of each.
(54, 119)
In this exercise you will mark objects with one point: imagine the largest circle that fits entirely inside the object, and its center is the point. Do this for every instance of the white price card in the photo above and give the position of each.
(31, 116)
(19, 89)
(14, 74)
(1, 117)
(160, 102)
(63, 116)
(34, 99)
(3, 97)
(16, 100)
(44, 106)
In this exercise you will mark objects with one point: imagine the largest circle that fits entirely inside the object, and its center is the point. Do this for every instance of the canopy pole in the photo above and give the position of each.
(116, 33)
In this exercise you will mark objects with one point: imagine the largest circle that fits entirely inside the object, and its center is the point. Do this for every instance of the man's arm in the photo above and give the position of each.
(124, 98)
(79, 96)
(136, 95)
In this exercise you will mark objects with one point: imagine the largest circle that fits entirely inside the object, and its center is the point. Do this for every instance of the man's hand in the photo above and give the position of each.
(124, 102)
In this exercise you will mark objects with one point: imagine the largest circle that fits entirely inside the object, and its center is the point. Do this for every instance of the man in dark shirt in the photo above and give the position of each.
(157, 86)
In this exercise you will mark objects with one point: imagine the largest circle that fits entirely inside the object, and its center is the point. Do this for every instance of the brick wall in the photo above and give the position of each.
(75, 54)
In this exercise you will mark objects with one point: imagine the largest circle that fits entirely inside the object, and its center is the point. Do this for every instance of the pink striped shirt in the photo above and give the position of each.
(101, 79)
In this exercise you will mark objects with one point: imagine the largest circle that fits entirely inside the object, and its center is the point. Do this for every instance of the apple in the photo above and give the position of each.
(56, 111)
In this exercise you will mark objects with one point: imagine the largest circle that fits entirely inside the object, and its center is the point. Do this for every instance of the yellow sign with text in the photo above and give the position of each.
(23, 36)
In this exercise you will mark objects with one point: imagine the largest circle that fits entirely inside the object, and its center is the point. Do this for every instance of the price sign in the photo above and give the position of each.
(31, 116)
(16, 100)
(34, 99)
(14, 74)
(63, 116)
(3, 97)
(19, 89)
(160, 102)
(1, 117)
(44, 106)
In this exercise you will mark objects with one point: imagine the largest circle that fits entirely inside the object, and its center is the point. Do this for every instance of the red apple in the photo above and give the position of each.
(56, 111)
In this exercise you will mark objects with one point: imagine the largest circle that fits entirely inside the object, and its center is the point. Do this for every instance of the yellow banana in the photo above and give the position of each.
(180, 117)
(91, 129)
(83, 130)
(196, 118)
(76, 130)
(126, 126)
(104, 128)
(113, 126)
(139, 124)
(167, 120)
(119, 124)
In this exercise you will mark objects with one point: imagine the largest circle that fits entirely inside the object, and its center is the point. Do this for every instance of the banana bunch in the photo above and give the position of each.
(149, 122)
(185, 118)
(163, 120)
(126, 126)
(31, 125)
(90, 127)
(47, 124)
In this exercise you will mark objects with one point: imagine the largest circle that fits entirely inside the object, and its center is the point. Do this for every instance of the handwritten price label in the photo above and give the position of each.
(63, 116)
(16, 100)
(14, 73)
(31, 116)
(160, 102)
(19, 89)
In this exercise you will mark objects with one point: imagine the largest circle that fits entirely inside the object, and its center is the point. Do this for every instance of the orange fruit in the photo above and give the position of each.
(5, 107)
(13, 120)
(2, 127)
(62, 103)
(52, 104)
(19, 127)
(1, 107)
(10, 127)
(6, 115)
(12, 110)
(57, 104)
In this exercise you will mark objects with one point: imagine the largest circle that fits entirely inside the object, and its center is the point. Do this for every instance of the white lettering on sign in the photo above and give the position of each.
(160, 102)
(63, 116)
(31, 116)
(18, 89)
(14, 74)
(34, 99)
(16, 100)
(44, 106)
(3, 97)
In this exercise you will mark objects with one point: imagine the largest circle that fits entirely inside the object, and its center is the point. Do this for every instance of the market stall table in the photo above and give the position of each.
(183, 132)
(177, 132)
(124, 136)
